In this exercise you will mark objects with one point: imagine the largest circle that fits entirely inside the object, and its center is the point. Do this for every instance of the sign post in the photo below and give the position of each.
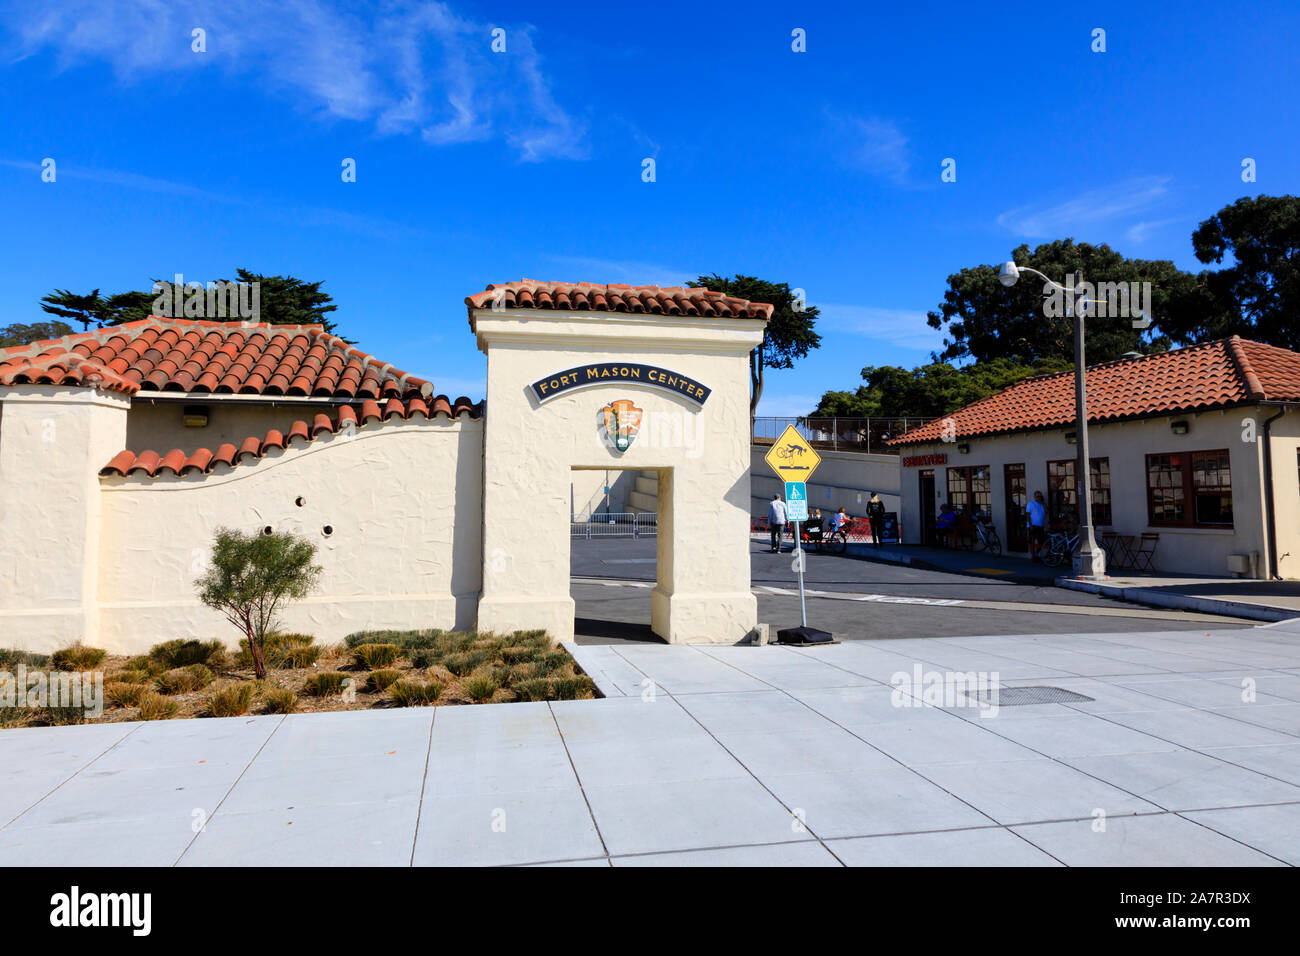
(794, 461)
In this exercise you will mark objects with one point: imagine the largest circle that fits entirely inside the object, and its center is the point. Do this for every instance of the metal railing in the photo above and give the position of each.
(846, 434)
(623, 524)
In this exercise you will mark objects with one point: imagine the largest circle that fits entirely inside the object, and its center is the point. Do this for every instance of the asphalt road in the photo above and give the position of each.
(858, 599)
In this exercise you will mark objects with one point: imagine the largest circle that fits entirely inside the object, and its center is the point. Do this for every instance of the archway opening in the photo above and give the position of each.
(613, 553)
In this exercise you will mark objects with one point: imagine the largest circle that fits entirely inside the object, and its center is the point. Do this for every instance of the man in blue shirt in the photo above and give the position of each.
(1037, 512)
(776, 521)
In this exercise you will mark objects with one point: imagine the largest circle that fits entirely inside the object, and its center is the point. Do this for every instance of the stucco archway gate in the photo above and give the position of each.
(617, 377)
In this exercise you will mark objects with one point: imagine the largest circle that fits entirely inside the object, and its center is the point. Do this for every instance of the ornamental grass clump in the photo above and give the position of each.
(157, 707)
(481, 688)
(231, 701)
(380, 681)
(78, 657)
(182, 653)
(414, 693)
(371, 656)
(183, 680)
(325, 684)
(280, 700)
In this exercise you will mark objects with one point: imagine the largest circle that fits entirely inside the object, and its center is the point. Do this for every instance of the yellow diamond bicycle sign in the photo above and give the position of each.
(792, 457)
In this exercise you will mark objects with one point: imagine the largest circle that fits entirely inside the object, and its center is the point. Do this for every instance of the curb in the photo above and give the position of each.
(1182, 602)
(920, 564)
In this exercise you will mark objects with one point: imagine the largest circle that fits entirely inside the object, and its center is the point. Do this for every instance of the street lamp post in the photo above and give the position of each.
(1089, 559)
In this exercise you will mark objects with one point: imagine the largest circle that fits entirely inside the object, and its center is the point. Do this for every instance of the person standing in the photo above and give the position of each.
(876, 514)
(776, 521)
(1036, 510)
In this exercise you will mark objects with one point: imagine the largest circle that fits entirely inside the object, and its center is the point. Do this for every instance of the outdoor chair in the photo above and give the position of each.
(1144, 555)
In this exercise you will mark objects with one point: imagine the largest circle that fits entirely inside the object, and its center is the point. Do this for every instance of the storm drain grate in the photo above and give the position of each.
(1015, 696)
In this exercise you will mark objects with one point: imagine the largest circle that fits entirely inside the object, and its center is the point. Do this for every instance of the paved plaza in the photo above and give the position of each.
(1186, 752)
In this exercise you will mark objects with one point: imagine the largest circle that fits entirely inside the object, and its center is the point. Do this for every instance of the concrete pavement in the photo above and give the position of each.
(1178, 749)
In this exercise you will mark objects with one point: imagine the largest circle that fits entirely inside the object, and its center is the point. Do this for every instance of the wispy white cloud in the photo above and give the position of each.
(617, 271)
(897, 328)
(416, 68)
(1141, 231)
(872, 144)
(1094, 207)
(298, 215)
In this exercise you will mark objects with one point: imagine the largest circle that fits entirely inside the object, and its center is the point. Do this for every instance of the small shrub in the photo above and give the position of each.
(519, 672)
(572, 688)
(481, 688)
(184, 680)
(16, 716)
(518, 653)
(325, 684)
(372, 656)
(142, 670)
(58, 716)
(11, 658)
(182, 653)
(157, 707)
(78, 657)
(413, 693)
(551, 662)
(426, 638)
(537, 688)
(231, 701)
(283, 652)
(281, 700)
(124, 694)
(465, 662)
(380, 681)
(132, 676)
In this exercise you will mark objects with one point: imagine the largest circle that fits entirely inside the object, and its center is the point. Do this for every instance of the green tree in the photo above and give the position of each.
(789, 334)
(19, 334)
(929, 390)
(983, 319)
(252, 576)
(284, 300)
(1258, 295)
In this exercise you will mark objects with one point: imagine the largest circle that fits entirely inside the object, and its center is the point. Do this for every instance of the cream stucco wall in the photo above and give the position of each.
(1285, 441)
(53, 441)
(1126, 444)
(401, 501)
(701, 456)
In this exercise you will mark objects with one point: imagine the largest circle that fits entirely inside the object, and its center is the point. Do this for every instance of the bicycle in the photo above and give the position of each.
(1061, 547)
(986, 537)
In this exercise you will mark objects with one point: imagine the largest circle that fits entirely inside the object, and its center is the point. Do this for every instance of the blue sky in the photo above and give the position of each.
(821, 169)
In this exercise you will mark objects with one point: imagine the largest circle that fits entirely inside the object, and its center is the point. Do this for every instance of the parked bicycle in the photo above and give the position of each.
(985, 537)
(1060, 547)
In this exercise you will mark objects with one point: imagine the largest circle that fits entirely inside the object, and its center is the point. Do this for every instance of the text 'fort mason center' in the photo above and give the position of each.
(122, 449)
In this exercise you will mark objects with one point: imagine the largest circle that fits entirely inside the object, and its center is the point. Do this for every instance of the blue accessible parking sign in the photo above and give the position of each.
(796, 501)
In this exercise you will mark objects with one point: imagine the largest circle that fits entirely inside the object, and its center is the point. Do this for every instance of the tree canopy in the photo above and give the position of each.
(1258, 293)
(283, 300)
(930, 390)
(790, 333)
(19, 334)
(983, 319)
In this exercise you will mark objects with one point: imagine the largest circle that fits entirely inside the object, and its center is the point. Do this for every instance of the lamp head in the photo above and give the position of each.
(1009, 274)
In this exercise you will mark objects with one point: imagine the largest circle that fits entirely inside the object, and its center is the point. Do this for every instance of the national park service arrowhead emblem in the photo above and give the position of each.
(622, 421)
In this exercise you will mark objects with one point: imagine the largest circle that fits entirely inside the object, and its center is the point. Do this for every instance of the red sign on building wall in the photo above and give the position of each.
(924, 461)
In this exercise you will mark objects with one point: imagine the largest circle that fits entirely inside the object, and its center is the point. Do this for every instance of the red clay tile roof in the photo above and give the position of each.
(1218, 374)
(639, 300)
(198, 355)
(176, 462)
